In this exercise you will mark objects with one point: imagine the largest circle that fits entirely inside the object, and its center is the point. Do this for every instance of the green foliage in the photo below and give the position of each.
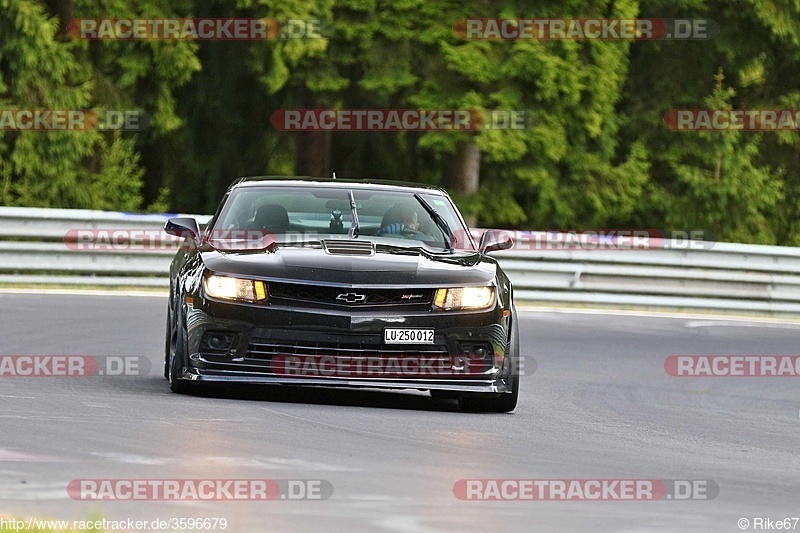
(597, 154)
(723, 187)
(493, 205)
(743, 186)
(44, 69)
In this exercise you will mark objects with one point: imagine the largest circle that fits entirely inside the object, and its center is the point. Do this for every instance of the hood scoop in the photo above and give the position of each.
(348, 247)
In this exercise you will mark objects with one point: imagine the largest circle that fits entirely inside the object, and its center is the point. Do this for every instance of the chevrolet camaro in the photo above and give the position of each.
(342, 283)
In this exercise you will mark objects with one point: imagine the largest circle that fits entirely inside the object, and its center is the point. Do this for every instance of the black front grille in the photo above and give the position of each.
(360, 360)
(264, 349)
(349, 297)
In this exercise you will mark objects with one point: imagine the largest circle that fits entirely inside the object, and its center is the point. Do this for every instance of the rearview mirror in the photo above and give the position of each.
(493, 240)
(185, 227)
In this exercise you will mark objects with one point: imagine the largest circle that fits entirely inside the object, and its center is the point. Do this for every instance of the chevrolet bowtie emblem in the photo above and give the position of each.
(352, 297)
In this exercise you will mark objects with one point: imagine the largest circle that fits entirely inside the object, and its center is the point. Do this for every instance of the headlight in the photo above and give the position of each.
(464, 298)
(228, 288)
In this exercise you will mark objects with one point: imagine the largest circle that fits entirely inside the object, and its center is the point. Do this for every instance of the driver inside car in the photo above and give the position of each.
(399, 219)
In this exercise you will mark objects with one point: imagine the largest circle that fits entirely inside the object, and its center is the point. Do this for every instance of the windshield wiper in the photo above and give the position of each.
(441, 222)
(353, 233)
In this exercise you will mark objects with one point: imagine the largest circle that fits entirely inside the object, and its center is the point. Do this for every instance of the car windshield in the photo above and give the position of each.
(300, 214)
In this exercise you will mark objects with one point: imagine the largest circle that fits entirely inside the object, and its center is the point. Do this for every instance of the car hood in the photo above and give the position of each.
(406, 266)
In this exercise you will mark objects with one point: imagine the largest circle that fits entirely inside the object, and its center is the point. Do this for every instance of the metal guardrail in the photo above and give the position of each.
(36, 248)
(727, 277)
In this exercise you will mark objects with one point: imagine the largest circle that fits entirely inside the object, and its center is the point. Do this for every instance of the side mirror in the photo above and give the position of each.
(185, 227)
(493, 240)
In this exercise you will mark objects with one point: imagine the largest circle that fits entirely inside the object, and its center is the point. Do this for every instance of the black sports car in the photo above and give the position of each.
(326, 282)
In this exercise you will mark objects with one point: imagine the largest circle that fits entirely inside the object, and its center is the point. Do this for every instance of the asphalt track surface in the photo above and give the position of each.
(599, 406)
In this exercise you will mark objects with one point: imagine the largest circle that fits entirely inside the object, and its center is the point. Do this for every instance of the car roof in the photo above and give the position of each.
(309, 181)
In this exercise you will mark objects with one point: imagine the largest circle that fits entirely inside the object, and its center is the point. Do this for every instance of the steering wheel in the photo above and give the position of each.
(408, 232)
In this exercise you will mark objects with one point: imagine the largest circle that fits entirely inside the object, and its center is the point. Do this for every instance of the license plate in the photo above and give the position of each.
(407, 336)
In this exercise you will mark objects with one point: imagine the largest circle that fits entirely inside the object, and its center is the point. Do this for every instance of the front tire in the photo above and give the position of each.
(167, 347)
(507, 401)
(177, 356)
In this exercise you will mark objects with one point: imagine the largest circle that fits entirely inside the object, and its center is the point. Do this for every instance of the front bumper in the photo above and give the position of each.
(260, 340)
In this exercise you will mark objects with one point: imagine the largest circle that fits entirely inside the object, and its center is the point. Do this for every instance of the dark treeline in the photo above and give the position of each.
(598, 155)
